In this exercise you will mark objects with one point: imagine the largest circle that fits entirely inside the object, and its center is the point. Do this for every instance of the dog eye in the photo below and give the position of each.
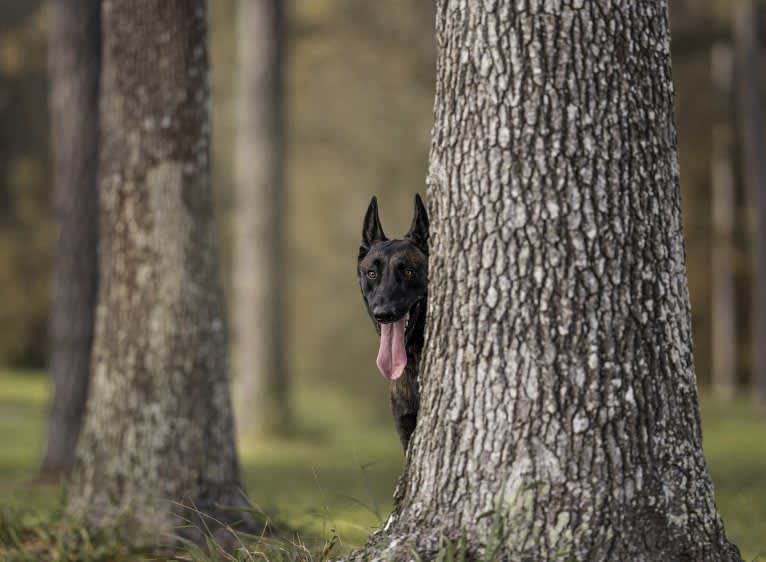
(409, 273)
(371, 274)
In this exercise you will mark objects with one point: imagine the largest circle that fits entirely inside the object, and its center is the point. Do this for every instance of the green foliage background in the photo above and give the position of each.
(26, 231)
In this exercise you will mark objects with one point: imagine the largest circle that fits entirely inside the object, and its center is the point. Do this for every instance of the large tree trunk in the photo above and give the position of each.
(258, 214)
(74, 65)
(723, 256)
(559, 415)
(159, 426)
(751, 125)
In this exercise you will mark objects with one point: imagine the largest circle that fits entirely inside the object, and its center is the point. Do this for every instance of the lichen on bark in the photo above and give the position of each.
(158, 442)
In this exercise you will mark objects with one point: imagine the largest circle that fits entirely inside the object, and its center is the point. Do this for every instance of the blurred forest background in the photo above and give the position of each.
(359, 93)
(358, 86)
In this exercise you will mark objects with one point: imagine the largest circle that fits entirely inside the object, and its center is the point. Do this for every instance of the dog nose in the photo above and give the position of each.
(383, 314)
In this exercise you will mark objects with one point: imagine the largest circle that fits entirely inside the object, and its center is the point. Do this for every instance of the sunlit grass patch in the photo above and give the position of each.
(338, 471)
(734, 438)
(23, 402)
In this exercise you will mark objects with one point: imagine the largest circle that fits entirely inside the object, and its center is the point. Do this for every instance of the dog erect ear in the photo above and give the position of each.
(372, 232)
(419, 230)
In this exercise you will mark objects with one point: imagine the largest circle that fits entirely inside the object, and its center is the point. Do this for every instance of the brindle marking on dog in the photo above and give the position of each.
(393, 276)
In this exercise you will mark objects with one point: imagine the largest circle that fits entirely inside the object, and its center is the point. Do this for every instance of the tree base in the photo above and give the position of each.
(397, 546)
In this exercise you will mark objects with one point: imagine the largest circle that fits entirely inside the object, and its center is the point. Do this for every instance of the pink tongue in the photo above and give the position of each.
(392, 357)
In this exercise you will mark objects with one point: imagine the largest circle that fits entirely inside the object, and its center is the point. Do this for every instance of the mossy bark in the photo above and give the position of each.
(559, 416)
(74, 68)
(158, 441)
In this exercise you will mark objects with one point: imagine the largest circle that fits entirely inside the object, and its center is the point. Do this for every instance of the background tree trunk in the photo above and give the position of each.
(723, 303)
(258, 214)
(74, 66)
(159, 425)
(753, 141)
(559, 414)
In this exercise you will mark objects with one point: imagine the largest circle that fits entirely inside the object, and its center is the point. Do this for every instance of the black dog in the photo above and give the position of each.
(393, 275)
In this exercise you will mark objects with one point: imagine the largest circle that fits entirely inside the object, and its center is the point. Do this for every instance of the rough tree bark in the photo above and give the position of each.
(723, 256)
(258, 275)
(753, 141)
(559, 415)
(159, 426)
(74, 66)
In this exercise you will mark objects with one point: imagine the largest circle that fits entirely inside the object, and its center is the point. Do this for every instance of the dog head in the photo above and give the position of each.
(393, 276)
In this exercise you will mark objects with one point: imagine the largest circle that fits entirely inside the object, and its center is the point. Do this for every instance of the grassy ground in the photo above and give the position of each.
(340, 469)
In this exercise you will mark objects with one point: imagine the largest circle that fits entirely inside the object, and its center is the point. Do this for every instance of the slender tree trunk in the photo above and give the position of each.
(259, 210)
(724, 325)
(158, 435)
(751, 125)
(74, 66)
(559, 415)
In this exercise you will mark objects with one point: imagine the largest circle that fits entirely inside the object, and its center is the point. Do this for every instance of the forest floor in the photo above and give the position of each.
(339, 467)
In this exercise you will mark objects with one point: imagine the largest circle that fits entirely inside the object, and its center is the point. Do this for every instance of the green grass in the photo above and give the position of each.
(734, 438)
(339, 469)
(338, 472)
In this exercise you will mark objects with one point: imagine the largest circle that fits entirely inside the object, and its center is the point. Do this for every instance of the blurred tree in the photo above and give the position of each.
(158, 426)
(723, 303)
(753, 143)
(258, 276)
(559, 414)
(75, 59)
